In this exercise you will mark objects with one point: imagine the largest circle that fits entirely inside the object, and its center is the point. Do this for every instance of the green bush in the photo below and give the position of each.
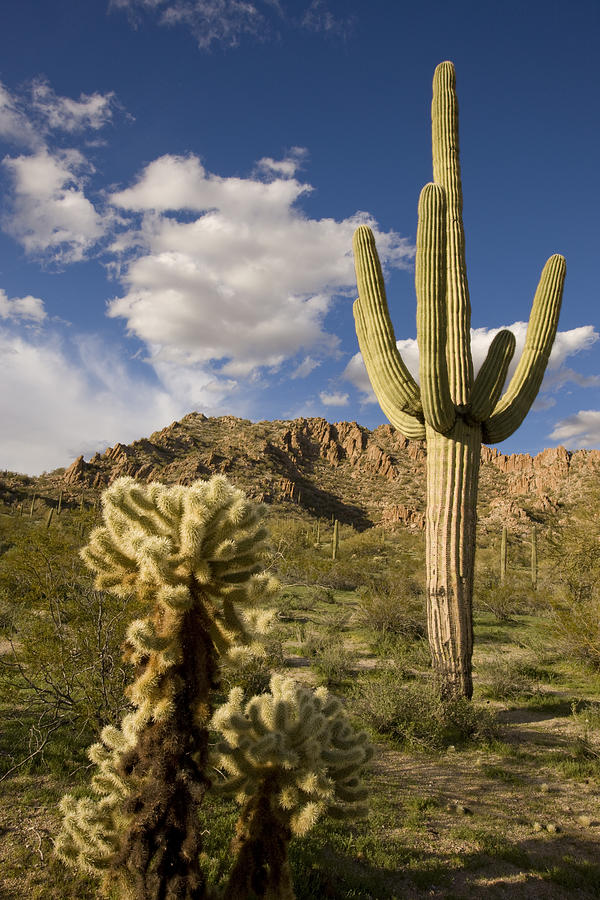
(415, 715)
(389, 608)
(574, 608)
(505, 679)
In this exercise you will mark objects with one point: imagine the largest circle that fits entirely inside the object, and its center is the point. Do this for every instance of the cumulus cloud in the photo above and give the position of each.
(248, 282)
(28, 309)
(51, 214)
(334, 399)
(566, 344)
(48, 211)
(579, 431)
(60, 401)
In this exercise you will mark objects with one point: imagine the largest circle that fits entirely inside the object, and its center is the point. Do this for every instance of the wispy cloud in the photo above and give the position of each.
(66, 114)
(60, 400)
(307, 365)
(227, 22)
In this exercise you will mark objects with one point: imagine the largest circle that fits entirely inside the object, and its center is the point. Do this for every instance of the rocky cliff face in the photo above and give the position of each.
(344, 470)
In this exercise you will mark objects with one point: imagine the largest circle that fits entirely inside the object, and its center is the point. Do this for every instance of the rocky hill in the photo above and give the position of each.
(361, 477)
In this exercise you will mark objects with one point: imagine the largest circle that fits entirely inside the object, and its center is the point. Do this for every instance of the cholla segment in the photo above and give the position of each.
(300, 740)
(289, 757)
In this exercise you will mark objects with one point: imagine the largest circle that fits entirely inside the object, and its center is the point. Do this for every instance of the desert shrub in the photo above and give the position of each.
(65, 638)
(505, 598)
(415, 716)
(505, 678)
(574, 606)
(392, 608)
(253, 672)
(334, 663)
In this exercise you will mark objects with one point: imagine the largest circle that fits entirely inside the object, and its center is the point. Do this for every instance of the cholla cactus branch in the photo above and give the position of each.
(290, 756)
(190, 555)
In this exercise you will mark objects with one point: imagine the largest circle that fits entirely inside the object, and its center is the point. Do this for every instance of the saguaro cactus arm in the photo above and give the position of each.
(514, 405)
(446, 172)
(492, 375)
(393, 384)
(430, 284)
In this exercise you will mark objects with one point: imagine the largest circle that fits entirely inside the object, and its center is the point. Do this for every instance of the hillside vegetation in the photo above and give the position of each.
(492, 798)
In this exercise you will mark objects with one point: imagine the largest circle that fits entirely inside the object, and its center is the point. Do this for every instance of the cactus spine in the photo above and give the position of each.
(335, 540)
(534, 559)
(503, 553)
(453, 411)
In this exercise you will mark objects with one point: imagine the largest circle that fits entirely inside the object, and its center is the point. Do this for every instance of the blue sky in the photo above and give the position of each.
(181, 180)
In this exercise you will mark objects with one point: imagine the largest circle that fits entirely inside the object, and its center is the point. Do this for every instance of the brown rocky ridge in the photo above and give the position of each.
(340, 470)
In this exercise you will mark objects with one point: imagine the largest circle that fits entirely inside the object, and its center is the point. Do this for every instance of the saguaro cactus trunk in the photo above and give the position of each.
(503, 553)
(453, 411)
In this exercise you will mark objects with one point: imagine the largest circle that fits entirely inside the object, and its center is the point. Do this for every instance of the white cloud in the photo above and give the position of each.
(579, 431)
(307, 365)
(54, 407)
(566, 344)
(65, 114)
(14, 124)
(51, 214)
(210, 21)
(27, 308)
(334, 399)
(248, 282)
(226, 22)
(318, 17)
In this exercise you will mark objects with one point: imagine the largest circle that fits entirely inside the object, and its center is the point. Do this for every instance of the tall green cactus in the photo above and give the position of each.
(534, 559)
(335, 540)
(451, 409)
(503, 553)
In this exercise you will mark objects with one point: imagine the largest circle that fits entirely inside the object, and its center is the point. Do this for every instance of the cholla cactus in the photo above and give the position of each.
(290, 756)
(193, 555)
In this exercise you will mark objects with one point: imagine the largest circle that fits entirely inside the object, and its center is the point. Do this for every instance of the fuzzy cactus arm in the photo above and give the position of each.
(430, 283)
(378, 333)
(514, 405)
(446, 172)
(492, 375)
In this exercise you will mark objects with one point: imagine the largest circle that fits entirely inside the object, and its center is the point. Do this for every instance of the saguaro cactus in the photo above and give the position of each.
(335, 540)
(534, 559)
(453, 411)
(503, 552)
